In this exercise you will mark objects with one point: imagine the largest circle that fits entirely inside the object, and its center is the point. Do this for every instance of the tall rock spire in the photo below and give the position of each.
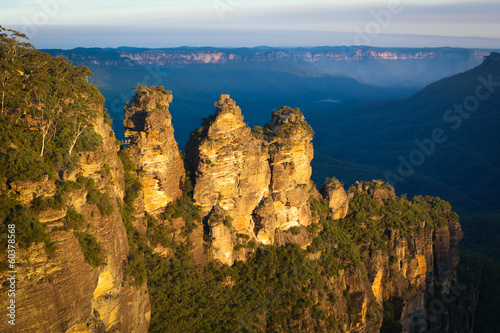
(258, 181)
(153, 148)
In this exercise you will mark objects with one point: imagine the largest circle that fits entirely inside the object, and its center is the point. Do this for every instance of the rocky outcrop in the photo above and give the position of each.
(229, 165)
(148, 124)
(376, 189)
(261, 179)
(336, 196)
(26, 191)
(230, 170)
(418, 273)
(291, 152)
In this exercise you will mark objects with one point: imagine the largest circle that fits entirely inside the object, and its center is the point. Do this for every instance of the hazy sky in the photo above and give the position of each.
(167, 23)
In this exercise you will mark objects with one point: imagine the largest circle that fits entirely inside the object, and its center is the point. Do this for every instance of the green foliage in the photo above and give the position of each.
(50, 247)
(482, 274)
(159, 234)
(275, 282)
(318, 207)
(92, 250)
(337, 248)
(128, 165)
(101, 200)
(333, 241)
(243, 242)
(227, 221)
(185, 208)
(136, 265)
(73, 220)
(153, 89)
(295, 230)
(21, 164)
(41, 203)
(294, 122)
(389, 325)
(107, 118)
(47, 108)
(28, 229)
(369, 221)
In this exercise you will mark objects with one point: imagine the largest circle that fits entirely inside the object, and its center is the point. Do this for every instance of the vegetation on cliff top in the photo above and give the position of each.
(47, 107)
(48, 110)
(281, 286)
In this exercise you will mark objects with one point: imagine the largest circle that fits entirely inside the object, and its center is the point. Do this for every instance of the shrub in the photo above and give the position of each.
(91, 249)
(101, 200)
(295, 230)
(28, 229)
(73, 219)
(23, 164)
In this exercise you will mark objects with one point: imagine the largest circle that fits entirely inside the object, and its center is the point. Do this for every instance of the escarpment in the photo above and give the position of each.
(406, 259)
(80, 285)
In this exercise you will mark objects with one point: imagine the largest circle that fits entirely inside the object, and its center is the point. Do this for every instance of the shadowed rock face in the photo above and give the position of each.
(153, 147)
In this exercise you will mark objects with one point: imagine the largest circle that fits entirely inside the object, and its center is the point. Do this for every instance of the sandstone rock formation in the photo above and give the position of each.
(230, 170)
(376, 189)
(291, 152)
(261, 179)
(229, 165)
(253, 188)
(336, 196)
(153, 147)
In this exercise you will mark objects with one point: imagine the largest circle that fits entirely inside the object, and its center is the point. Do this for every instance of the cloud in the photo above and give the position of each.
(256, 22)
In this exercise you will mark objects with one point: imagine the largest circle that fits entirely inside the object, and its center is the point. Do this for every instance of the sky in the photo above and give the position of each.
(68, 24)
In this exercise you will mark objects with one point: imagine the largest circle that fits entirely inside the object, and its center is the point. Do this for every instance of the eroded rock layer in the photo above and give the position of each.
(261, 179)
(148, 124)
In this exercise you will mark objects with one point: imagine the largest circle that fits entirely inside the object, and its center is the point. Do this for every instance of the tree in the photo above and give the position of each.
(12, 44)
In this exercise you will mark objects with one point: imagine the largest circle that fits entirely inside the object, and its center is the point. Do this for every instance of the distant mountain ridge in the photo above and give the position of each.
(313, 79)
(354, 61)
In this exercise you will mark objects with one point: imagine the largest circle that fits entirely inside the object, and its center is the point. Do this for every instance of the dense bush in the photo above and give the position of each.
(28, 229)
(92, 250)
(136, 269)
(185, 208)
(73, 220)
(101, 200)
(275, 282)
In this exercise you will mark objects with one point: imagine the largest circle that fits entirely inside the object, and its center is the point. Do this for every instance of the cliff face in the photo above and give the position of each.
(339, 54)
(258, 179)
(230, 171)
(153, 147)
(339, 257)
(419, 276)
(64, 293)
